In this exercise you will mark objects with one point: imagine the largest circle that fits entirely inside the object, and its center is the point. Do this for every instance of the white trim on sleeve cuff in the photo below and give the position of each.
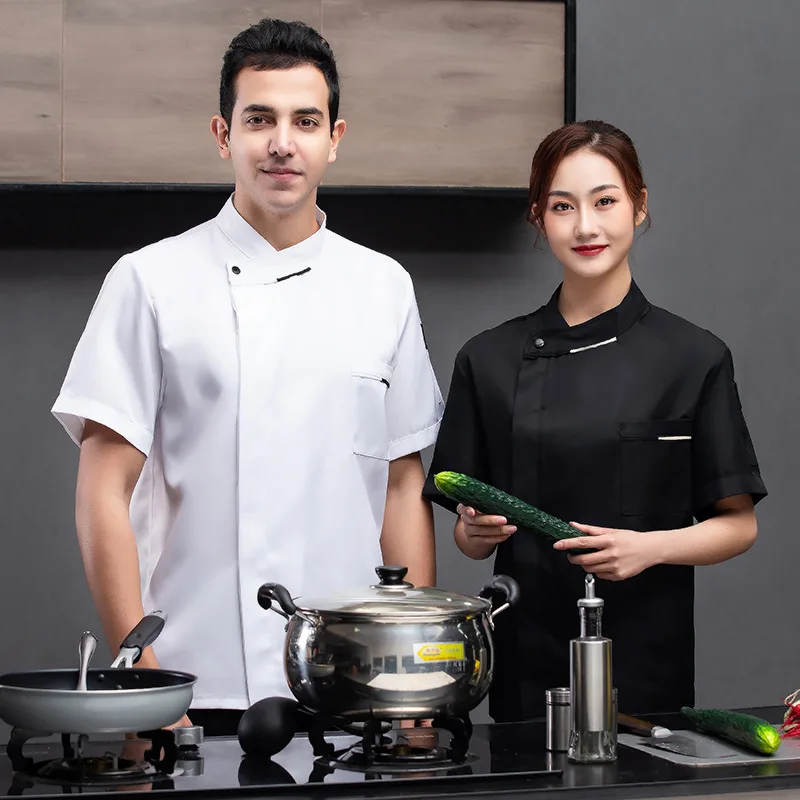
(72, 413)
(414, 442)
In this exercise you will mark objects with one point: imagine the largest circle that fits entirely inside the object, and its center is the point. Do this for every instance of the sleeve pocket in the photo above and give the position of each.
(656, 466)
(371, 436)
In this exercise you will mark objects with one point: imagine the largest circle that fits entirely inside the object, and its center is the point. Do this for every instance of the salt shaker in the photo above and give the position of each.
(558, 719)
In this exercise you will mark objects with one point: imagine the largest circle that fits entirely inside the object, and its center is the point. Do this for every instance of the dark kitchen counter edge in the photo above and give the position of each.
(483, 787)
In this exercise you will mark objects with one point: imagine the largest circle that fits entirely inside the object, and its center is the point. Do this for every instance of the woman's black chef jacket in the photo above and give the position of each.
(629, 420)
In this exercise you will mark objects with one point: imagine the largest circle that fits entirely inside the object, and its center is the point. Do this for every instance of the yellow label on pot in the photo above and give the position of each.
(438, 651)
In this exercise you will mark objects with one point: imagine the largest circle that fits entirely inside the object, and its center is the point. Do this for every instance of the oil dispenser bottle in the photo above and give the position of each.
(593, 737)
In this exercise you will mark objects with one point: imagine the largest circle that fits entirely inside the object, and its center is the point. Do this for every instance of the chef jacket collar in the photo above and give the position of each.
(260, 252)
(552, 336)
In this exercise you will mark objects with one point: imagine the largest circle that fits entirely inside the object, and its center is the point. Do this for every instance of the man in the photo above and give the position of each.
(250, 398)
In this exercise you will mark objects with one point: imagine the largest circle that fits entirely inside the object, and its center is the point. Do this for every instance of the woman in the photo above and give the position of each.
(602, 409)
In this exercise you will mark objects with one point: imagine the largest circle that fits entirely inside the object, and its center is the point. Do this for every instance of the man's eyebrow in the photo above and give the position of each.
(258, 108)
(308, 111)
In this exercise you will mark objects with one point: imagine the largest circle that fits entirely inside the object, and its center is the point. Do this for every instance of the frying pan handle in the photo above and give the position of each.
(504, 585)
(271, 592)
(144, 634)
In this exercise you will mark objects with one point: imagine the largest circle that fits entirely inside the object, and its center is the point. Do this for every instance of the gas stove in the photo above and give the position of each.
(378, 751)
(333, 764)
(375, 749)
(325, 756)
(153, 760)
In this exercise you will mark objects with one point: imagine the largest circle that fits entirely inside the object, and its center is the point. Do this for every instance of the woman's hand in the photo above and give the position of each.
(484, 528)
(620, 553)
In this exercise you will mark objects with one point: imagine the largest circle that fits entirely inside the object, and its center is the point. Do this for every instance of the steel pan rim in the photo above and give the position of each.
(187, 679)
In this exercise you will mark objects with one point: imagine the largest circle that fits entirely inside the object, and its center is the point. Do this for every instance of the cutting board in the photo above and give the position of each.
(788, 751)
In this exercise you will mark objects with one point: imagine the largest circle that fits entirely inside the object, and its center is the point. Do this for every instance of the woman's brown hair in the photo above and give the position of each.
(600, 138)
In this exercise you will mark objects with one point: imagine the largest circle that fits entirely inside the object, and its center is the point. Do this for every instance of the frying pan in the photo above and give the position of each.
(117, 700)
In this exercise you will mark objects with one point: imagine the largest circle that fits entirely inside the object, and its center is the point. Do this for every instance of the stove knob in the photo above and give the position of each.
(189, 736)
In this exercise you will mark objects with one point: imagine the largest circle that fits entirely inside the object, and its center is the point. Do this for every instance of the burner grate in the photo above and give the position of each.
(109, 769)
(92, 770)
(401, 753)
(378, 753)
(395, 760)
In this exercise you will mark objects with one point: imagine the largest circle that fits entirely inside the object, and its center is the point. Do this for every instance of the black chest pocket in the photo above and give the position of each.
(656, 466)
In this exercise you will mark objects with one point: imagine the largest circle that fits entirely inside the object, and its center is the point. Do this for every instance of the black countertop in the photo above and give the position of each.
(508, 760)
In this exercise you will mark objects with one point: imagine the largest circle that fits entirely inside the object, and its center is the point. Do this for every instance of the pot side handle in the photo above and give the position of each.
(504, 585)
(271, 592)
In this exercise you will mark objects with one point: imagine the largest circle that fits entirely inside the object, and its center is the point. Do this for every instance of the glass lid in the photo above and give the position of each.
(393, 596)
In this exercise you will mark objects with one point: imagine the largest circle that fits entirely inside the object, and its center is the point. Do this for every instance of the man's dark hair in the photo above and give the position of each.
(275, 44)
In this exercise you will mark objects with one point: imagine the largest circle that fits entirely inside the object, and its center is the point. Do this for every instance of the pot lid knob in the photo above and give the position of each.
(392, 576)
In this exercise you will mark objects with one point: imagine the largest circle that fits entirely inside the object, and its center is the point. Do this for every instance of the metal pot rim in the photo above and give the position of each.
(395, 602)
(390, 617)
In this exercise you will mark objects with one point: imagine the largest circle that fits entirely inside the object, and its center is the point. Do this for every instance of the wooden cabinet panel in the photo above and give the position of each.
(445, 92)
(30, 91)
(435, 92)
(141, 82)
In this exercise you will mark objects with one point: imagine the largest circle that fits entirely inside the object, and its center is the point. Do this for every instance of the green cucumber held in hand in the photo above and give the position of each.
(751, 732)
(488, 500)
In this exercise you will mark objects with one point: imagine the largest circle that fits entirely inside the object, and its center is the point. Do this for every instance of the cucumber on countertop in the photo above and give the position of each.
(751, 732)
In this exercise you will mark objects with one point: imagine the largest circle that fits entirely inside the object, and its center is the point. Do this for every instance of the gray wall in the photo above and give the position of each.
(709, 91)
(707, 88)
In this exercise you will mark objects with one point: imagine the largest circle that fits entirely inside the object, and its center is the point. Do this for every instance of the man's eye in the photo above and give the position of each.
(308, 122)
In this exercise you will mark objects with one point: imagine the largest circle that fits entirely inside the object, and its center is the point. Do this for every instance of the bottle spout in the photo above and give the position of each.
(590, 598)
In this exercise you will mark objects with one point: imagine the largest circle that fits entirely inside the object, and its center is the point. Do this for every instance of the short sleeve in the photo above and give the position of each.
(460, 446)
(724, 462)
(114, 377)
(414, 404)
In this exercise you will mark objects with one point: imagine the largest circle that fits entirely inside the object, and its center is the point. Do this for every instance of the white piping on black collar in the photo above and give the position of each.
(592, 346)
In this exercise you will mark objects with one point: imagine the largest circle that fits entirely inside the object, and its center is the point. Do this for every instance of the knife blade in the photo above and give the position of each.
(690, 747)
(662, 738)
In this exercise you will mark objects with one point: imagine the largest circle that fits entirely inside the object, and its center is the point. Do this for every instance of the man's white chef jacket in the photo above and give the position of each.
(269, 390)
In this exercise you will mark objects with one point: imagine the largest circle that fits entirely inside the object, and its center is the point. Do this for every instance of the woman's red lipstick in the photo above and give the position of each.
(590, 249)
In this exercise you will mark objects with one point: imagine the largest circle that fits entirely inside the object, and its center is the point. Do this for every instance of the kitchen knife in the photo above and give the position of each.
(661, 738)
(643, 727)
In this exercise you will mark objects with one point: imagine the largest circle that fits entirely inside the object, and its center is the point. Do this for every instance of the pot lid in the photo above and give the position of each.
(393, 596)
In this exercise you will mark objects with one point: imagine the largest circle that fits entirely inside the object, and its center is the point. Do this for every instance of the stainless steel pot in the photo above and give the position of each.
(390, 651)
